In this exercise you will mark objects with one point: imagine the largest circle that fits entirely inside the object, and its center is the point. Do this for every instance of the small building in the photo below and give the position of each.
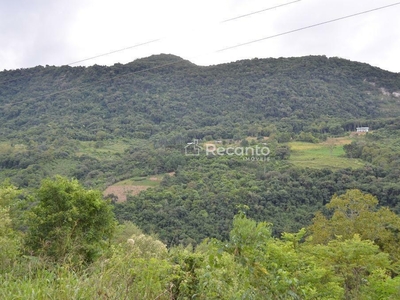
(362, 129)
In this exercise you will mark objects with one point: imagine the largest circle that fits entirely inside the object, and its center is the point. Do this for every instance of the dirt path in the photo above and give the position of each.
(121, 191)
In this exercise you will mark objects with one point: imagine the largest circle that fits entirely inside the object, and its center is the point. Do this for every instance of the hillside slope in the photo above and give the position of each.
(104, 125)
(163, 93)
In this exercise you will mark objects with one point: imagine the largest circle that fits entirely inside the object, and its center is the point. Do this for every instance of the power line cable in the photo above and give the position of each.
(112, 52)
(157, 40)
(224, 49)
(308, 27)
(259, 11)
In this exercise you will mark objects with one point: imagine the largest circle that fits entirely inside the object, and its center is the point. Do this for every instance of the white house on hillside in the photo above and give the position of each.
(362, 129)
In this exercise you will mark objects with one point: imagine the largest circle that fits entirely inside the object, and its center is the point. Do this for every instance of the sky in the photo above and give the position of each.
(50, 32)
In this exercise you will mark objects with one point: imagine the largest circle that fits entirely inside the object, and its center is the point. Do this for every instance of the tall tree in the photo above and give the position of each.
(356, 212)
(69, 221)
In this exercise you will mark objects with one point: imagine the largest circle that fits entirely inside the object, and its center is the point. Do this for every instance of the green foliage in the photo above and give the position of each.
(296, 98)
(247, 233)
(327, 154)
(251, 264)
(381, 285)
(9, 241)
(69, 222)
(352, 260)
(356, 213)
(137, 127)
(10, 238)
(202, 197)
(380, 148)
(8, 194)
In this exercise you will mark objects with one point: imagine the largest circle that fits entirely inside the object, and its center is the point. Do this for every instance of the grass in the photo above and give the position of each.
(108, 149)
(329, 154)
(102, 149)
(153, 180)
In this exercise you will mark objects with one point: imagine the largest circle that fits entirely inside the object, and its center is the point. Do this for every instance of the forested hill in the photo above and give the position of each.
(321, 196)
(164, 93)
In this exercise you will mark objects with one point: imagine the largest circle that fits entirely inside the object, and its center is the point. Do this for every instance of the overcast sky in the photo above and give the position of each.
(50, 32)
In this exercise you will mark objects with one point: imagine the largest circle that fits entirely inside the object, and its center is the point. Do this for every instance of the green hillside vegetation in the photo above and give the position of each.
(69, 247)
(91, 115)
(136, 121)
(316, 218)
(148, 181)
(97, 103)
(103, 149)
(328, 154)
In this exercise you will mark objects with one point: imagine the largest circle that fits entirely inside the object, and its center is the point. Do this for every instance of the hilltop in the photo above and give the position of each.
(164, 93)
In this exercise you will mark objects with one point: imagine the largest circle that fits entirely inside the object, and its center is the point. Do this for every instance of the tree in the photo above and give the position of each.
(9, 237)
(69, 221)
(331, 144)
(352, 260)
(9, 241)
(253, 265)
(357, 213)
(282, 152)
(244, 143)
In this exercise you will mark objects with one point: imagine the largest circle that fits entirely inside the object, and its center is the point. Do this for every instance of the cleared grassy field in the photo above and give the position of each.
(132, 186)
(102, 149)
(329, 154)
(142, 181)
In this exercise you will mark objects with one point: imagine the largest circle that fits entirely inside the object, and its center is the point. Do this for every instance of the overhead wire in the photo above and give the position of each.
(308, 27)
(158, 39)
(112, 52)
(259, 11)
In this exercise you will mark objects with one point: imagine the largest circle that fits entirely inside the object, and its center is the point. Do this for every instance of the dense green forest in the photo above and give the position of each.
(291, 224)
(163, 96)
(50, 116)
(69, 246)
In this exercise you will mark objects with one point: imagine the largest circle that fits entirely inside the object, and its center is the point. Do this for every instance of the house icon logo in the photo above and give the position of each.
(193, 148)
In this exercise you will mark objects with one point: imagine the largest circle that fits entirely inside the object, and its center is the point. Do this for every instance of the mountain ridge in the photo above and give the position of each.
(169, 93)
